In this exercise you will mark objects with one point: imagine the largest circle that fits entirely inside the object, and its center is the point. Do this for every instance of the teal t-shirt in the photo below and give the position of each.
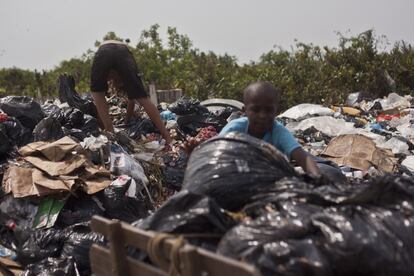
(279, 136)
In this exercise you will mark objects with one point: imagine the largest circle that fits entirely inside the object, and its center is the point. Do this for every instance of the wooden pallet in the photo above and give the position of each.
(177, 258)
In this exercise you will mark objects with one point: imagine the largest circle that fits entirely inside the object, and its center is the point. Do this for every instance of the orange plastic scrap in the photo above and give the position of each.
(347, 110)
(359, 152)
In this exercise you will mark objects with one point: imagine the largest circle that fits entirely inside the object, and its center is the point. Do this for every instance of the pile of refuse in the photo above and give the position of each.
(58, 169)
(365, 138)
(242, 199)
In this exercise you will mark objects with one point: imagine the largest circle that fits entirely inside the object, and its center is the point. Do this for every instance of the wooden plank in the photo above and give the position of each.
(117, 248)
(101, 264)
(194, 260)
(141, 268)
(100, 259)
(215, 264)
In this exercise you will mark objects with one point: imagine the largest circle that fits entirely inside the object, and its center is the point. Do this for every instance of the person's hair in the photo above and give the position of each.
(261, 87)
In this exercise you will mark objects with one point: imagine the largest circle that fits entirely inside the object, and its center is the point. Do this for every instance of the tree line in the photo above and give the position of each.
(305, 73)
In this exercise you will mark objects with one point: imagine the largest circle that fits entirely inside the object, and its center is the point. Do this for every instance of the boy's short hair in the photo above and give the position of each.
(261, 87)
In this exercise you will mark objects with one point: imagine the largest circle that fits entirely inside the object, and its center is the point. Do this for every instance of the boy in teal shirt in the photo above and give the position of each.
(261, 101)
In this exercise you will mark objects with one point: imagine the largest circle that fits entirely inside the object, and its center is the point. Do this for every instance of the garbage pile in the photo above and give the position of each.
(58, 169)
(365, 138)
(254, 207)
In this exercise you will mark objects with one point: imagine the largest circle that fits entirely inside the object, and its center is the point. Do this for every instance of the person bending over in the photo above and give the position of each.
(261, 104)
(113, 62)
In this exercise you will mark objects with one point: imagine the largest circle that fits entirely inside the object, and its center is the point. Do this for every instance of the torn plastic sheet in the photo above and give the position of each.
(302, 111)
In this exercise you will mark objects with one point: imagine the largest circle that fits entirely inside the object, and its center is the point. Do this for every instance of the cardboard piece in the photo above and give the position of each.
(10, 267)
(20, 182)
(41, 179)
(53, 168)
(55, 151)
(56, 169)
(95, 179)
(359, 152)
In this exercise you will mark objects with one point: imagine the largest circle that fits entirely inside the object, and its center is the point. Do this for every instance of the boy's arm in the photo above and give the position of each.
(306, 161)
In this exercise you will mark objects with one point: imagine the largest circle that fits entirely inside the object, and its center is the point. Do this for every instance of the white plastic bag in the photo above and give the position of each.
(302, 111)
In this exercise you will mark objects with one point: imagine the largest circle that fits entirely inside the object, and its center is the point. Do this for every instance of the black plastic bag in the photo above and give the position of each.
(74, 118)
(25, 109)
(367, 240)
(36, 245)
(232, 168)
(224, 113)
(190, 124)
(187, 106)
(174, 177)
(186, 212)
(140, 126)
(276, 246)
(79, 240)
(52, 267)
(79, 208)
(17, 133)
(67, 93)
(5, 145)
(15, 214)
(174, 169)
(48, 129)
(120, 206)
(90, 126)
(340, 229)
(75, 133)
(55, 112)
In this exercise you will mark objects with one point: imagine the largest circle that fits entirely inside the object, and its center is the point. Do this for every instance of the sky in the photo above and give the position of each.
(40, 34)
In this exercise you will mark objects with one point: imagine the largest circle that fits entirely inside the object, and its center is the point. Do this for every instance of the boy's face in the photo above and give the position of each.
(260, 109)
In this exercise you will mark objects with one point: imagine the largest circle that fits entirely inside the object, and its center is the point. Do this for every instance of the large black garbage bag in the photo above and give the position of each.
(277, 243)
(224, 113)
(301, 227)
(14, 212)
(140, 126)
(79, 208)
(75, 133)
(67, 93)
(186, 212)
(120, 206)
(74, 118)
(5, 144)
(187, 106)
(232, 168)
(48, 129)
(79, 240)
(18, 134)
(174, 169)
(25, 109)
(55, 112)
(36, 245)
(52, 267)
(367, 240)
(174, 177)
(90, 126)
(21, 211)
(189, 124)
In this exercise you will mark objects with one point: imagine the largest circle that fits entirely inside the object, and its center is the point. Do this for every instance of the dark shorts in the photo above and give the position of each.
(116, 57)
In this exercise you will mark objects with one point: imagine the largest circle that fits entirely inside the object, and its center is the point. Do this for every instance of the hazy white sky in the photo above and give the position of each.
(39, 34)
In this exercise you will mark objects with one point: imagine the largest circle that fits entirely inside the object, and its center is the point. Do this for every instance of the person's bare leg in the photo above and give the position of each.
(103, 110)
(155, 117)
(130, 110)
